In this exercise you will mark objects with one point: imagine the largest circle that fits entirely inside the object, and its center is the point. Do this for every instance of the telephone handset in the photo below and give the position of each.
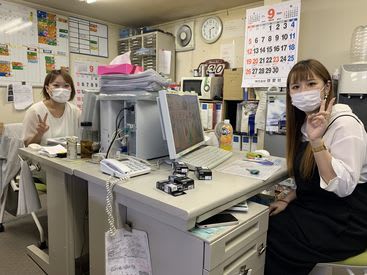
(114, 167)
(125, 168)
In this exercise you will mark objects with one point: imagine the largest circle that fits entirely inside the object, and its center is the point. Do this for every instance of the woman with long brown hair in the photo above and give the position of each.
(325, 218)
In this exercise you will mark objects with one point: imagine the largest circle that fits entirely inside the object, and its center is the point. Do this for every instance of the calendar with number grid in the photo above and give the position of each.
(271, 43)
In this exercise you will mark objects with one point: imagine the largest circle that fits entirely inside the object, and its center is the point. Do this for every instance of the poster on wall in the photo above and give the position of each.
(271, 44)
(18, 34)
(85, 77)
(31, 43)
(53, 39)
(88, 37)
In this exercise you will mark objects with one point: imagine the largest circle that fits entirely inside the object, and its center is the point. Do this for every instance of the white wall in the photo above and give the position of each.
(7, 112)
(325, 33)
(187, 61)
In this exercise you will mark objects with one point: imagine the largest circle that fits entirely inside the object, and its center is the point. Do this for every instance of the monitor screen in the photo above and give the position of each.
(181, 122)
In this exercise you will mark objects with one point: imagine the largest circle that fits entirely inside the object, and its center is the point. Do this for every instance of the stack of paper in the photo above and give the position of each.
(52, 151)
(149, 80)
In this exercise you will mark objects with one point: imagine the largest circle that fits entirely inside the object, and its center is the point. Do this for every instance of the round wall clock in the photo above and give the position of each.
(211, 29)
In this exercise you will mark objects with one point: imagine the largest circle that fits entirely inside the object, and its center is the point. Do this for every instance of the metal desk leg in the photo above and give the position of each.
(97, 228)
(66, 203)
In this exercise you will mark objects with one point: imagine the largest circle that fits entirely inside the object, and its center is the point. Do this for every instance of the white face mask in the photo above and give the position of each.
(307, 101)
(60, 95)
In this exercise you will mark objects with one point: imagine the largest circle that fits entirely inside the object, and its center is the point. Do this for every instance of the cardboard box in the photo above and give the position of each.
(232, 89)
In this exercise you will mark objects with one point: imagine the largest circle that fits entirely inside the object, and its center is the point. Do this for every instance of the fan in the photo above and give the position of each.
(185, 37)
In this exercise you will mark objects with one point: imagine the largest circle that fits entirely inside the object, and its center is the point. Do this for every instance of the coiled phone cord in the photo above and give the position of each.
(110, 183)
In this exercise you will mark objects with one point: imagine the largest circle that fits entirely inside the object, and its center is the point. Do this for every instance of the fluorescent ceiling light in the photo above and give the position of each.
(11, 24)
(91, 1)
(20, 27)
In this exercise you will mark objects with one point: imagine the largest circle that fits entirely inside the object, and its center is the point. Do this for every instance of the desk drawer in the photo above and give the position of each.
(223, 248)
(252, 256)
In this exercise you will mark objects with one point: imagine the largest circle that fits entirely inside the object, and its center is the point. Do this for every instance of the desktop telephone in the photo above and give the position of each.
(125, 168)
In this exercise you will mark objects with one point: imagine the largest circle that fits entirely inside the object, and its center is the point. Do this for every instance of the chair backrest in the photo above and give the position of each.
(13, 130)
(11, 140)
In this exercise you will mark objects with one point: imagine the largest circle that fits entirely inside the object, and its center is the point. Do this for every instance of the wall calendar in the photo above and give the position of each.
(271, 43)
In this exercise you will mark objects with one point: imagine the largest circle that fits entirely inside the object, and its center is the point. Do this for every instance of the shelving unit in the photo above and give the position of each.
(155, 43)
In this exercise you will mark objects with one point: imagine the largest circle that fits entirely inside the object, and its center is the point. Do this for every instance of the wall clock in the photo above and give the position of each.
(211, 29)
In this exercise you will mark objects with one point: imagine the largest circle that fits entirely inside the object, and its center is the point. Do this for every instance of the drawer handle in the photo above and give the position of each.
(261, 249)
(244, 271)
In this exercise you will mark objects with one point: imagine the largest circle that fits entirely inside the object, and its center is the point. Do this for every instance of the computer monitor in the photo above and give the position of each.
(181, 122)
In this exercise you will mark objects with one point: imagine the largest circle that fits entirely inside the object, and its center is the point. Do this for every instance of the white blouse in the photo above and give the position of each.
(346, 140)
(66, 125)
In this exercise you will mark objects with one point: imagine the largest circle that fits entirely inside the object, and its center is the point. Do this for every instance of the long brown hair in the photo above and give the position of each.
(51, 76)
(302, 71)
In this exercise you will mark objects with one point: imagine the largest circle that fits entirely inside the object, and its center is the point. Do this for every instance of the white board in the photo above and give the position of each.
(87, 37)
(24, 53)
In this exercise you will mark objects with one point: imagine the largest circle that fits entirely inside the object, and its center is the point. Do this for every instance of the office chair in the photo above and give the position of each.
(10, 165)
(358, 262)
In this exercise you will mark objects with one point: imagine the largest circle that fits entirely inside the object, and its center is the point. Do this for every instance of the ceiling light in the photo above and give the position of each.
(11, 24)
(20, 27)
(91, 1)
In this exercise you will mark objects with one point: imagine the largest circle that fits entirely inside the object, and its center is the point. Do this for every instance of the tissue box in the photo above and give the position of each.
(119, 69)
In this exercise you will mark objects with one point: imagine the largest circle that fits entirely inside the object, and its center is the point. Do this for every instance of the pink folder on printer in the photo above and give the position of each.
(119, 69)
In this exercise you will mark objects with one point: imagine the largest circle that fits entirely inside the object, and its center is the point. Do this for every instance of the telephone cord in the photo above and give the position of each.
(110, 183)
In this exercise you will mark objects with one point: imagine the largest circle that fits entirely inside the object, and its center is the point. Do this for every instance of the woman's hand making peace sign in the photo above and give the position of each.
(42, 126)
(318, 122)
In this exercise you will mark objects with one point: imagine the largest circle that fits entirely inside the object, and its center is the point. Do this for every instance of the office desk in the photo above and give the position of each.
(66, 206)
(166, 219)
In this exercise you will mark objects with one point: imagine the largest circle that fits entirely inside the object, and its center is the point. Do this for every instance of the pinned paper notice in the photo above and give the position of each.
(164, 62)
(227, 53)
(23, 96)
(127, 253)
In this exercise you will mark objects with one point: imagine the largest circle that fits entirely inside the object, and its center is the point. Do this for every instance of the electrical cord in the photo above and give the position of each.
(117, 125)
(114, 137)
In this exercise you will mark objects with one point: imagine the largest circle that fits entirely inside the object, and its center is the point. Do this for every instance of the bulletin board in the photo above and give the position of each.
(29, 53)
(271, 43)
(87, 37)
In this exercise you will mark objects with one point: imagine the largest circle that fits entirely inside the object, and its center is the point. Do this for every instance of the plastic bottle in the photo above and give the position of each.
(226, 135)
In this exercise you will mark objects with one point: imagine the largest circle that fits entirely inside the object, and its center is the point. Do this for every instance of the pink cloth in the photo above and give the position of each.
(119, 69)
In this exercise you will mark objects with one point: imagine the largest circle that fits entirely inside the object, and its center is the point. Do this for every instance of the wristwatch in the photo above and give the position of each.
(319, 148)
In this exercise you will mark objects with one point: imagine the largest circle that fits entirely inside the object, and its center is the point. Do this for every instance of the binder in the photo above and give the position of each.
(236, 143)
(204, 115)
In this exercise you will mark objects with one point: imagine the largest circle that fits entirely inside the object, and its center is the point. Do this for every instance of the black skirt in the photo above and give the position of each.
(317, 227)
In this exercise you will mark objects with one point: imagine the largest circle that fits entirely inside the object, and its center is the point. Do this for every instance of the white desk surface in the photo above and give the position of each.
(207, 199)
(63, 164)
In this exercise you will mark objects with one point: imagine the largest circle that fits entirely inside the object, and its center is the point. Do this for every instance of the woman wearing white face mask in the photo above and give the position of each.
(55, 116)
(324, 219)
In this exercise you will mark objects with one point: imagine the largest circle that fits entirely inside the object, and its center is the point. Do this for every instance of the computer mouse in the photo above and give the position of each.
(263, 153)
(34, 146)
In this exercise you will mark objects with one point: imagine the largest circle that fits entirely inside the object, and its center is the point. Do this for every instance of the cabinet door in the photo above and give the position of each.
(251, 256)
